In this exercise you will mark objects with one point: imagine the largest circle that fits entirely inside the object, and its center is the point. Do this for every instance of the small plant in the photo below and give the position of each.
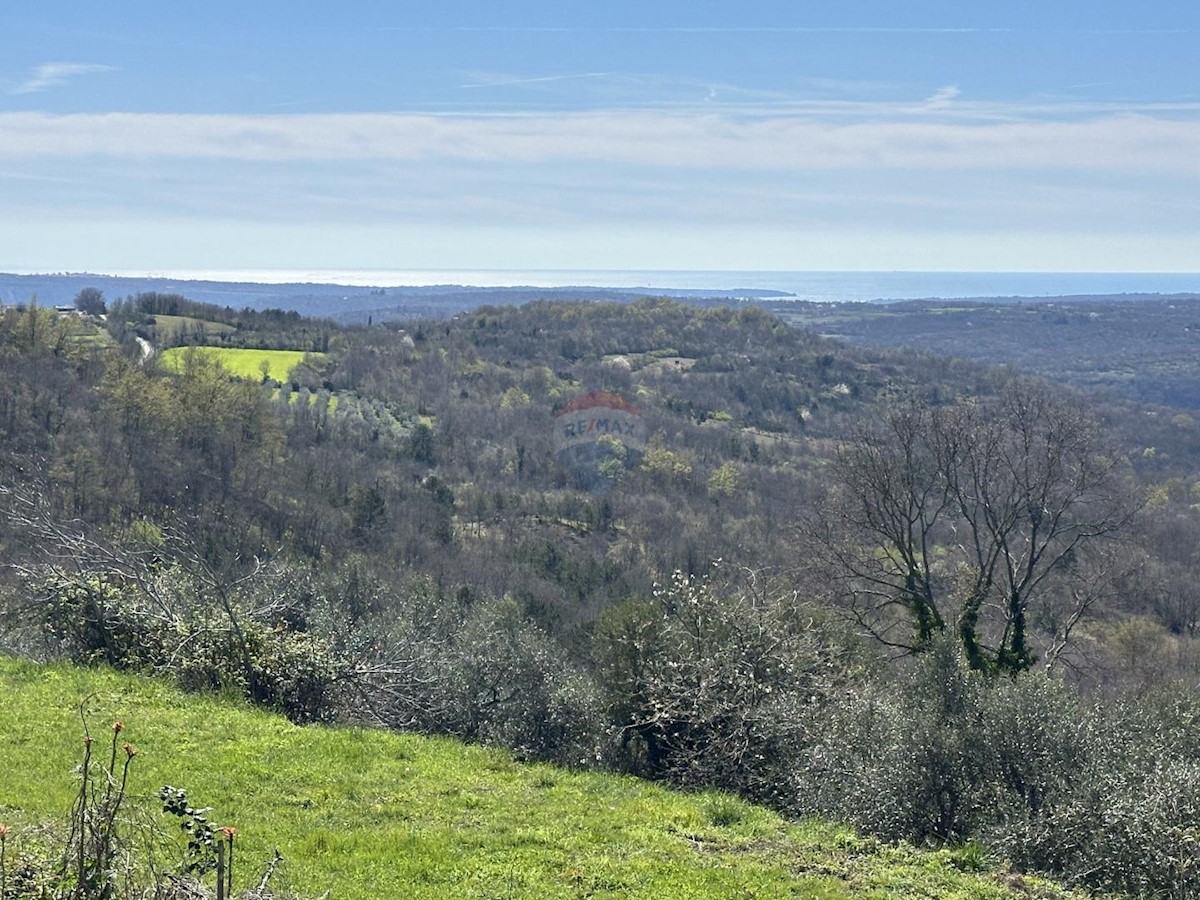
(88, 867)
(98, 862)
(970, 857)
(193, 821)
(723, 810)
(209, 846)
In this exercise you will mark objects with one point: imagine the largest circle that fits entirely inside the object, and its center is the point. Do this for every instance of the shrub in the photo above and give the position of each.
(169, 622)
(479, 669)
(1104, 796)
(505, 681)
(711, 683)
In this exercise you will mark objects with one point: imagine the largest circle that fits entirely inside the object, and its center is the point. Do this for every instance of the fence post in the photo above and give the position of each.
(220, 870)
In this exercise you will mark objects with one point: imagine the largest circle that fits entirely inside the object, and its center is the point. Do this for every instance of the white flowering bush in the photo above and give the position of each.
(711, 683)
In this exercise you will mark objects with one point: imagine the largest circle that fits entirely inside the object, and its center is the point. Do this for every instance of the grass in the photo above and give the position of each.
(244, 363)
(365, 813)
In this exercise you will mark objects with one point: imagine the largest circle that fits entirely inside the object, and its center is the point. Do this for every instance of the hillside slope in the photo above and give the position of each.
(363, 813)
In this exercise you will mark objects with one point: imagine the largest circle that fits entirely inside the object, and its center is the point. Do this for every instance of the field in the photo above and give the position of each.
(365, 813)
(244, 363)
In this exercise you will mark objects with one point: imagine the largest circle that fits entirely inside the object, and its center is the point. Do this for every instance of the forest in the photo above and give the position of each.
(938, 599)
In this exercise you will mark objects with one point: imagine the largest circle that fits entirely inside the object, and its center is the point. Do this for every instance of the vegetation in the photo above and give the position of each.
(1138, 347)
(371, 814)
(987, 501)
(940, 602)
(173, 320)
(265, 365)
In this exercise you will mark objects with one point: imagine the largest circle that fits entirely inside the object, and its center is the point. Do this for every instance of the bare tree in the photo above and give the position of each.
(965, 515)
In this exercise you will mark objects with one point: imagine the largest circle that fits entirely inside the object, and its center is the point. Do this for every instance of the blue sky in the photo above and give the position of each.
(528, 135)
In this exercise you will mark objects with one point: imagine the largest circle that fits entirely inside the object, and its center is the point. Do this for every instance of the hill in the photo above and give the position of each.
(400, 529)
(364, 813)
(1137, 346)
(348, 304)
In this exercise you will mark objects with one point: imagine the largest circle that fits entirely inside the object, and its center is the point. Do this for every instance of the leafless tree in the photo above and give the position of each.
(966, 516)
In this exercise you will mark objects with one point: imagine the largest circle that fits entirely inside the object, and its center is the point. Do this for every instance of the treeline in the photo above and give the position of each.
(1142, 348)
(906, 544)
(208, 324)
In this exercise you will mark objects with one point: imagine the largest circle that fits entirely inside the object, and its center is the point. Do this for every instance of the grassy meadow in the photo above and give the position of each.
(243, 363)
(364, 813)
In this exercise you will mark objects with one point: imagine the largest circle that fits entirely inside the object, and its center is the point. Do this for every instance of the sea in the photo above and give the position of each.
(814, 286)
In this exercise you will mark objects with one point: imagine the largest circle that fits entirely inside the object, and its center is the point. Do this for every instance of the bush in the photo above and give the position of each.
(712, 684)
(502, 680)
(479, 669)
(168, 622)
(1108, 797)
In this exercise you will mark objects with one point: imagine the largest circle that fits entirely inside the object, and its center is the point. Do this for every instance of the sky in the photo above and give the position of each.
(924, 136)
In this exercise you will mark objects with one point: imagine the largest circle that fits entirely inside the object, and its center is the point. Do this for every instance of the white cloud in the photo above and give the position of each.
(105, 243)
(51, 75)
(942, 97)
(1127, 143)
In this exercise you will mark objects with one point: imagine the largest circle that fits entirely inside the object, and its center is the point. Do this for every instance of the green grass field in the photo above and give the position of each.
(244, 363)
(370, 814)
(86, 334)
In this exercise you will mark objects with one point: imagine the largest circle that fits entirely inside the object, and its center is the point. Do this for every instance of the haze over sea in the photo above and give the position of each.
(817, 286)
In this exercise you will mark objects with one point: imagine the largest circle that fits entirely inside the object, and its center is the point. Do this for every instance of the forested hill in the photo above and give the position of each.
(430, 449)
(1137, 346)
(380, 523)
(348, 304)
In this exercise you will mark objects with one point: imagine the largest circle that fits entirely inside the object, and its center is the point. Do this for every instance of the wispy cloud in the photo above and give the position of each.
(625, 90)
(483, 80)
(56, 74)
(942, 97)
(907, 139)
(698, 29)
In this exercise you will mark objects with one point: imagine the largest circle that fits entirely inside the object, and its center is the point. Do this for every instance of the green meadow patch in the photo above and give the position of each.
(364, 813)
(86, 334)
(243, 363)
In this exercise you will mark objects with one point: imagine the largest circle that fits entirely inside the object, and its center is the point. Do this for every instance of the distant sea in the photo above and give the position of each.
(818, 286)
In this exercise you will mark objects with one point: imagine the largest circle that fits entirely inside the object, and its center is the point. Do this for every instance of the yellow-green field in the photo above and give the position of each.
(243, 363)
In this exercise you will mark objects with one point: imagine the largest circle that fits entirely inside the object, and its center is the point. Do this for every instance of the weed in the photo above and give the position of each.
(98, 860)
(88, 868)
(723, 810)
(970, 857)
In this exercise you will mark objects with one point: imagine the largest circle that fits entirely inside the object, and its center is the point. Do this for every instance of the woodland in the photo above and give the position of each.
(938, 599)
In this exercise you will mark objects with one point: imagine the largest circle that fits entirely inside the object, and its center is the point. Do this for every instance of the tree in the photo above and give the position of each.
(90, 300)
(967, 516)
(421, 445)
